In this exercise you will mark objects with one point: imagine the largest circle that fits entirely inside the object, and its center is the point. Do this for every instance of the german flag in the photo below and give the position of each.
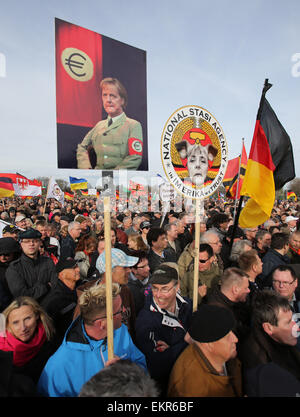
(6, 187)
(235, 174)
(69, 196)
(84, 192)
(270, 165)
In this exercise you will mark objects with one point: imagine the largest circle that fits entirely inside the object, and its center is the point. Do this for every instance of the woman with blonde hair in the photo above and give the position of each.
(29, 334)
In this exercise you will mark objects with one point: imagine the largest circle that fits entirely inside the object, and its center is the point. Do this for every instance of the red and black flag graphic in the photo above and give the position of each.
(78, 74)
(235, 174)
(270, 165)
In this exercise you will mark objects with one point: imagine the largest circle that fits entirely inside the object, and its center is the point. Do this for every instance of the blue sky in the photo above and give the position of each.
(213, 54)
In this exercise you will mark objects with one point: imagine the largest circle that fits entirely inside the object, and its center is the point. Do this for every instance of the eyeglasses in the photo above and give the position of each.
(123, 313)
(283, 283)
(202, 261)
(162, 290)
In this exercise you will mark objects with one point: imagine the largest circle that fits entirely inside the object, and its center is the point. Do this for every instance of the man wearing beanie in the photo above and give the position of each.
(208, 366)
(162, 324)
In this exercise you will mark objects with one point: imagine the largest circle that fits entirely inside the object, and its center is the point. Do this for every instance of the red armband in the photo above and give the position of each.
(135, 146)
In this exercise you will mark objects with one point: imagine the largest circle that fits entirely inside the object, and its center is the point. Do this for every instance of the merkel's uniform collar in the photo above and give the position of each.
(115, 120)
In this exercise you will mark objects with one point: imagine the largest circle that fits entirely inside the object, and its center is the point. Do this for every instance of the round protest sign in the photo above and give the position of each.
(194, 152)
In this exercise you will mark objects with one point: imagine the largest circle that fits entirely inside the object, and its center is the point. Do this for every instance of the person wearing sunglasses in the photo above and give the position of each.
(162, 324)
(209, 273)
(84, 351)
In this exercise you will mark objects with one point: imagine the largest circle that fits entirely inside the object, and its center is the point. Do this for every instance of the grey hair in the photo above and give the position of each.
(121, 379)
(238, 248)
(72, 225)
(204, 238)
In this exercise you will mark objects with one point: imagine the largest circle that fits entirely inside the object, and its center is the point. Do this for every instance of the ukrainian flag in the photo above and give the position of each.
(78, 184)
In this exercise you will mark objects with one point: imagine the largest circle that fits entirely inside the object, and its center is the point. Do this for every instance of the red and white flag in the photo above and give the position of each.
(23, 186)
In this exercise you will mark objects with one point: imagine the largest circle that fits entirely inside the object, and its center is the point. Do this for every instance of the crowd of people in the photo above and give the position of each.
(242, 340)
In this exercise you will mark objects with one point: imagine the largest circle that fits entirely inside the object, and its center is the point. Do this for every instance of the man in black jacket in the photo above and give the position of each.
(61, 301)
(276, 255)
(68, 244)
(273, 337)
(31, 275)
(138, 280)
(233, 294)
(157, 241)
(162, 324)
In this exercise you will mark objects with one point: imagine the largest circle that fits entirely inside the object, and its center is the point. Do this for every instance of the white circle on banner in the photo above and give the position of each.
(194, 152)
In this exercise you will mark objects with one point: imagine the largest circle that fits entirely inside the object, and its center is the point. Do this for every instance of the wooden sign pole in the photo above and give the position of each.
(196, 260)
(108, 279)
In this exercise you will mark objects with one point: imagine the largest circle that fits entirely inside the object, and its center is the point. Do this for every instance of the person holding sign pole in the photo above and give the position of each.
(161, 325)
(84, 351)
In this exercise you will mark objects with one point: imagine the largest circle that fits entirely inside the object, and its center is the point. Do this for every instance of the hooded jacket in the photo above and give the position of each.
(79, 358)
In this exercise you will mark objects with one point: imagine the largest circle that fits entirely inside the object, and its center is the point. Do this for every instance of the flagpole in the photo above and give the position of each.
(46, 197)
(196, 259)
(108, 278)
(238, 181)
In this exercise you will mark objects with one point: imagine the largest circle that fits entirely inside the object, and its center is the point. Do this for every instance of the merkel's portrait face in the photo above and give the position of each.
(112, 101)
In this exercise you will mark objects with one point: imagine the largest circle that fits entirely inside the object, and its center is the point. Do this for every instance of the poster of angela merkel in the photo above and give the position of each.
(101, 101)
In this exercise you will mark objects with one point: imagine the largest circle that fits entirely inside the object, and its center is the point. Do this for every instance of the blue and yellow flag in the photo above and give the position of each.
(78, 184)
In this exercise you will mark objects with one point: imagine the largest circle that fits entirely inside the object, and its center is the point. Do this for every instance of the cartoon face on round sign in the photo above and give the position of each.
(194, 152)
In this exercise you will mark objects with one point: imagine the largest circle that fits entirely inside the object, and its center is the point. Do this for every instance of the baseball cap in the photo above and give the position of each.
(20, 217)
(65, 264)
(211, 323)
(118, 258)
(290, 219)
(145, 224)
(164, 273)
(10, 228)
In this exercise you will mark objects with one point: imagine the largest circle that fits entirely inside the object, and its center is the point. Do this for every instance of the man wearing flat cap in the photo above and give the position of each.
(162, 324)
(61, 301)
(20, 221)
(31, 274)
(208, 366)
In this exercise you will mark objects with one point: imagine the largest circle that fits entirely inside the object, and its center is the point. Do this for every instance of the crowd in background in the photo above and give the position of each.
(242, 340)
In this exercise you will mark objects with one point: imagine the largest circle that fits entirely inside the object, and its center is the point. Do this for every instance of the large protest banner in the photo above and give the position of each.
(83, 59)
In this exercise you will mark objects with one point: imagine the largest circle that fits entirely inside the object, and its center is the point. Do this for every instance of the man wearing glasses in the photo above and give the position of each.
(83, 351)
(285, 283)
(162, 324)
(209, 274)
